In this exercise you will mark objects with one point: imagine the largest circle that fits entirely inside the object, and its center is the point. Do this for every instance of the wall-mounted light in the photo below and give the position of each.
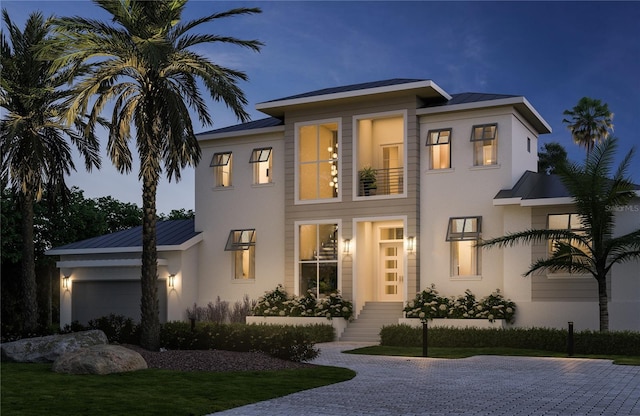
(347, 246)
(411, 244)
(172, 280)
(65, 282)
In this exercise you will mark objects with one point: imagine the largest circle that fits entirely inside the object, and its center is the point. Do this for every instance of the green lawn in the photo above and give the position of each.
(33, 389)
(442, 352)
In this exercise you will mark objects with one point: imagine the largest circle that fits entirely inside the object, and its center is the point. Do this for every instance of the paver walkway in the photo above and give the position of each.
(482, 385)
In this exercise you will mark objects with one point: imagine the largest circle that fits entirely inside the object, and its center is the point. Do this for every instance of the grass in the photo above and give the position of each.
(33, 389)
(442, 352)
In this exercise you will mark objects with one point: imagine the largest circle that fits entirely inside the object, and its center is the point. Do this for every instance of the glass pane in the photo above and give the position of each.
(439, 157)
(391, 290)
(328, 242)
(308, 143)
(327, 183)
(558, 222)
(489, 132)
(327, 142)
(391, 277)
(308, 277)
(391, 251)
(308, 242)
(463, 258)
(328, 278)
(391, 264)
(308, 181)
(576, 222)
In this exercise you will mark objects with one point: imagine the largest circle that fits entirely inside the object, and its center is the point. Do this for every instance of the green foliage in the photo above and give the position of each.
(551, 157)
(429, 304)
(293, 343)
(585, 342)
(117, 328)
(278, 303)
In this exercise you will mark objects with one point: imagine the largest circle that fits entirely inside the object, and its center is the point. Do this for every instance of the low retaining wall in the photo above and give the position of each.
(338, 324)
(456, 323)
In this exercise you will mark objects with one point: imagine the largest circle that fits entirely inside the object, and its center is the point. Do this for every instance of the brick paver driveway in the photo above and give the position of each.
(483, 385)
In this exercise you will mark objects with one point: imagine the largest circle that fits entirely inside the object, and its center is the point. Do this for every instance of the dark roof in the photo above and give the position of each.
(348, 88)
(169, 233)
(256, 124)
(532, 185)
(471, 97)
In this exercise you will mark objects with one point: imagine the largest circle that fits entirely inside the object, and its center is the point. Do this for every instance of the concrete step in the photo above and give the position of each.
(372, 317)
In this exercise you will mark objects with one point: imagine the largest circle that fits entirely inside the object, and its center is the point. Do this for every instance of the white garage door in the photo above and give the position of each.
(95, 299)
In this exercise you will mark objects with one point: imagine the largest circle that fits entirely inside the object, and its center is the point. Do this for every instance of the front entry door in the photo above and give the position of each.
(391, 271)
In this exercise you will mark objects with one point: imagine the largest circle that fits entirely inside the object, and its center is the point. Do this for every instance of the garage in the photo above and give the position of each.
(94, 299)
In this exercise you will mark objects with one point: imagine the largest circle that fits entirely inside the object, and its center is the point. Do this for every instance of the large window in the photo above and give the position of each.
(572, 222)
(318, 164)
(439, 145)
(261, 161)
(318, 258)
(463, 233)
(485, 144)
(243, 245)
(221, 164)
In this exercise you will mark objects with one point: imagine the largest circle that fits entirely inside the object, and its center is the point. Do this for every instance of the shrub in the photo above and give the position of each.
(241, 309)
(272, 303)
(428, 304)
(546, 339)
(118, 328)
(278, 303)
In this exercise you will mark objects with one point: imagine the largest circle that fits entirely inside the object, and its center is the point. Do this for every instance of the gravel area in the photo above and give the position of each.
(214, 360)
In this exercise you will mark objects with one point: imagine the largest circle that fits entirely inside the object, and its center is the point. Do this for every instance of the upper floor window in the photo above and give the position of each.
(261, 161)
(318, 163)
(463, 233)
(243, 245)
(485, 144)
(439, 144)
(221, 164)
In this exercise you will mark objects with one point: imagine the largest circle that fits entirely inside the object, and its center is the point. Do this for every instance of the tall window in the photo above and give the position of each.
(318, 258)
(221, 164)
(243, 245)
(572, 222)
(463, 233)
(485, 144)
(439, 144)
(318, 175)
(261, 161)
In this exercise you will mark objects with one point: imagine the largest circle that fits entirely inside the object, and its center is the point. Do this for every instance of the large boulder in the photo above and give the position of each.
(100, 359)
(47, 349)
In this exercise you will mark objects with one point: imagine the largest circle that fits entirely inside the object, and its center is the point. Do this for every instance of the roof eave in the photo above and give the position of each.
(425, 89)
(521, 104)
(239, 133)
(112, 250)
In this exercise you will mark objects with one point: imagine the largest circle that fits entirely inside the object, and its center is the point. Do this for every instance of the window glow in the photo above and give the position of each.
(485, 142)
(318, 172)
(439, 144)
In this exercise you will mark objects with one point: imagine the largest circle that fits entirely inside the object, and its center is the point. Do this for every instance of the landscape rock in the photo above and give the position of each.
(100, 359)
(48, 349)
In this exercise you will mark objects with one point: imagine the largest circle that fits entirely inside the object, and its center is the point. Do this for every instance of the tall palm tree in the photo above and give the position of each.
(35, 154)
(144, 65)
(590, 122)
(593, 250)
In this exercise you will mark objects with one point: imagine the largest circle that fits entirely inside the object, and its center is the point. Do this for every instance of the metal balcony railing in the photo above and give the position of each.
(388, 182)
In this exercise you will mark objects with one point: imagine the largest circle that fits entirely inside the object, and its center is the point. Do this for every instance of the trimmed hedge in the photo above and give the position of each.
(585, 342)
(294, 343)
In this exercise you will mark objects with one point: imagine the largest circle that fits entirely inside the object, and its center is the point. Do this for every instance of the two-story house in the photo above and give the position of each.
(377, 190)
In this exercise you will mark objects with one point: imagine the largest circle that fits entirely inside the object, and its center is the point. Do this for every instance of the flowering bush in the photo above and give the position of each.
(428, 304)
(278, 303)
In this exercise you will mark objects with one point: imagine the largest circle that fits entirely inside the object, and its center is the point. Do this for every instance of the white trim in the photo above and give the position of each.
(540, 202)
(74, 264)
(352, 94)
(507, 201)
(138, 249)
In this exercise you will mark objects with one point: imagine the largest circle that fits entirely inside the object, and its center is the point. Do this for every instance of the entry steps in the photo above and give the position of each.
(372, 317)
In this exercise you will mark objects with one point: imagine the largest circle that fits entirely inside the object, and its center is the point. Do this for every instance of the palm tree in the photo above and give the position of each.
(592, 250)
(590, 122)
(35, 154)
(144, 66)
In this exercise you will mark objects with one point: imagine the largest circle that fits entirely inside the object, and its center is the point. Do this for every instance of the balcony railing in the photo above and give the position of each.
(388, 182)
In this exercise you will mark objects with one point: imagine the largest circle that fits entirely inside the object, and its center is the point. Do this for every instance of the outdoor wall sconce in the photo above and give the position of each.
(347, 246)
(172, 280)
(411, 244)
(65, 282)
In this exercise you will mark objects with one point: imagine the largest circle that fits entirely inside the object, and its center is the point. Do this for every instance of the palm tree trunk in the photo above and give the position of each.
(150, 311)
(28, 280)
(603, 304)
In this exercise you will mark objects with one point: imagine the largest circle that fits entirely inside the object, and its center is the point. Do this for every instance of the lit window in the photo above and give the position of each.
(318, 173)
(318, 258)
(463, 233)
(571, 222)
(221, 164)
(243, 245)
(261, 160)
(485, 138)
(439, 144)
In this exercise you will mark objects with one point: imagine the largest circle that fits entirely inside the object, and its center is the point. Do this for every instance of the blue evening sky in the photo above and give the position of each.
(553, 53)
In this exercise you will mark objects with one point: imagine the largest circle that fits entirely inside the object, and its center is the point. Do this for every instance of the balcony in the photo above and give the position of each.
(381, 181)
